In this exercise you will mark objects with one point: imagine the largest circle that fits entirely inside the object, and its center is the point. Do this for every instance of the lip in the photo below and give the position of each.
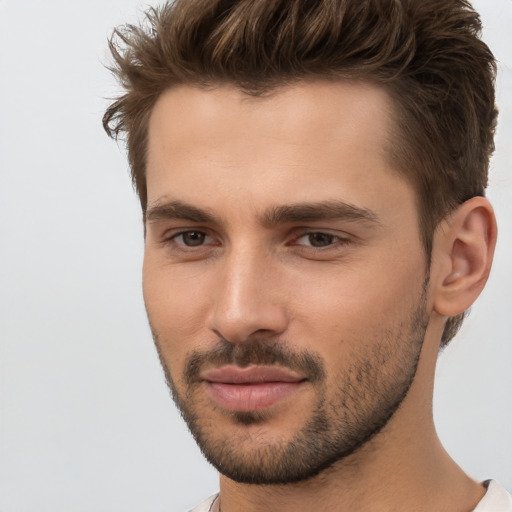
(251, 389)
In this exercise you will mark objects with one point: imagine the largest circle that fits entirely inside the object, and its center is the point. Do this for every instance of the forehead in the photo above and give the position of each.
(307, 112)
(310, 141)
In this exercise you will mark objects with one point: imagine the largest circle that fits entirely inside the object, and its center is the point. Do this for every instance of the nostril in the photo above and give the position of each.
(263, 332)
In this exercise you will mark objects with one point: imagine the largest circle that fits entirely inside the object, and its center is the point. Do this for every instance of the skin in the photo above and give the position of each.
(244, 278)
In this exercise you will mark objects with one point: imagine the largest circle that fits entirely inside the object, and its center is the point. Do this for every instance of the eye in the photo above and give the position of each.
(319, 239)
(192, 238)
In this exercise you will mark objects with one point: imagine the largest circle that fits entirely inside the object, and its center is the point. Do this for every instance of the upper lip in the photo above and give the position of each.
(250, 375)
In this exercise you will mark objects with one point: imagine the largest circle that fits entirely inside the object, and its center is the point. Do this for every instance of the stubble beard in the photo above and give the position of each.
(366, 397)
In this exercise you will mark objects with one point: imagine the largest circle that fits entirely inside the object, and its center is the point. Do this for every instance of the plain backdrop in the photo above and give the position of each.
(86, 421)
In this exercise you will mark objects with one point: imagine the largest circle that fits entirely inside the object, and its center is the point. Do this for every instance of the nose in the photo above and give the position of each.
(248, 300)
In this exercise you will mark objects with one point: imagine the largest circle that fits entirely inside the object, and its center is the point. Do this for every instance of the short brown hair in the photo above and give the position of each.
(427, 54)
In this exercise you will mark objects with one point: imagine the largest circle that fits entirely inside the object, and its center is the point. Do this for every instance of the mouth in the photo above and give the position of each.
(253, 388)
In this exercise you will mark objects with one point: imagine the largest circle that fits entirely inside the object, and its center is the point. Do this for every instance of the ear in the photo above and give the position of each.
(462, 255)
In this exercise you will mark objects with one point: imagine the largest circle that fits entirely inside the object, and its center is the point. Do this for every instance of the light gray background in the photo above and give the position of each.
(86, 423)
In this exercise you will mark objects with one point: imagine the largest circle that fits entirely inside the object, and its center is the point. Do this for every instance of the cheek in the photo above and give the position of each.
(357, 303)
(175, 307)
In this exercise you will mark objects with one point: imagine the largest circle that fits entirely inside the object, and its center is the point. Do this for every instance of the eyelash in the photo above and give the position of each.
(334, 241)
(173, 239)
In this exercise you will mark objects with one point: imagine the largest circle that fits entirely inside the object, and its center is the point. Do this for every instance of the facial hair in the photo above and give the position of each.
(347, 413)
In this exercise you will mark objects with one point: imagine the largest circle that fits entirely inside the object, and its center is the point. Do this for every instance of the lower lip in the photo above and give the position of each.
(250, 397)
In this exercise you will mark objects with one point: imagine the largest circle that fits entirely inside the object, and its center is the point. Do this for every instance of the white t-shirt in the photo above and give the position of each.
(496, 499)
(209, 505)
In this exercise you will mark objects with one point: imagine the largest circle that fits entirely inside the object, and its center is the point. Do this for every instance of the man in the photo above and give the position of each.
(312, 178)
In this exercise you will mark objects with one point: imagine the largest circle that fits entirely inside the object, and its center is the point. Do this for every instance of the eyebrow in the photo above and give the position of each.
(178, 210)
(324, 210)
(282, 214)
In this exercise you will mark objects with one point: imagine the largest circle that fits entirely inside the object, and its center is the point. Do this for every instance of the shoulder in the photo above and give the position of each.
(206, 505)
(496, 499)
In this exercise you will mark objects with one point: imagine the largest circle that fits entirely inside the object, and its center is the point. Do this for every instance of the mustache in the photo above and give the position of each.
(254, 352)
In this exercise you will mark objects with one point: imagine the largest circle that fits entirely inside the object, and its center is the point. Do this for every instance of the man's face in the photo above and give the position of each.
(284, 277)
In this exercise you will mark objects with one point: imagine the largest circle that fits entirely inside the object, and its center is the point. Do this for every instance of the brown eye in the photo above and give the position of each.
(191, 238)
(321, 239)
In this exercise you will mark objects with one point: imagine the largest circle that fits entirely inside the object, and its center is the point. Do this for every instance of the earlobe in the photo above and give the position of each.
(464, 248)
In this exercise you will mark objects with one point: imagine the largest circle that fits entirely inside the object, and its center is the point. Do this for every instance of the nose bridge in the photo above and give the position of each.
(246, 301)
